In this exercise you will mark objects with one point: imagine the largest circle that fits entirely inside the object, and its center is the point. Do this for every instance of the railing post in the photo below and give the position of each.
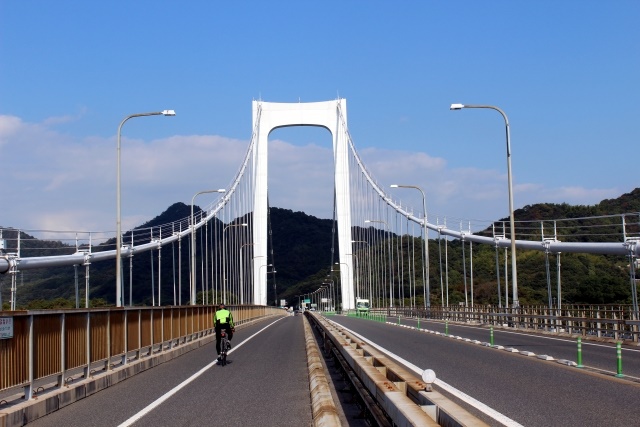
(61, 377)
(28, 389)
(126, 337)
(87, 368)
(139, 352)
(108, 340)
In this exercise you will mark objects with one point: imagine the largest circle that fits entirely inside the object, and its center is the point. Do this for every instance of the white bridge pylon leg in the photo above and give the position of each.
(331, 115)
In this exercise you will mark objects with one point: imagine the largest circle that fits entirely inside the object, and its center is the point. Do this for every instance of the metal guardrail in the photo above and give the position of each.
(401, 395)
(615, 322)
(49, 349)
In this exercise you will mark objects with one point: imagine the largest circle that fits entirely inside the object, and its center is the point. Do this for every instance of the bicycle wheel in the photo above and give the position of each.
(223, 353)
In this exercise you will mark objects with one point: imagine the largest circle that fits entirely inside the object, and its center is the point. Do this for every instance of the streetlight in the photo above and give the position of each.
(426, 241)
(389, 250)
(224, 263)
(332, 291)
(322, 294)
(514, 269)
(193, 244)
(119, 302)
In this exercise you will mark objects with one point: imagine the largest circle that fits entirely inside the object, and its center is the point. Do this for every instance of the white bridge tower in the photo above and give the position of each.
(331, 115)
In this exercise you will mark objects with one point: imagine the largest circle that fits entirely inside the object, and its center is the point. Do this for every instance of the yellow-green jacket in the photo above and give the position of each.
(223, 316)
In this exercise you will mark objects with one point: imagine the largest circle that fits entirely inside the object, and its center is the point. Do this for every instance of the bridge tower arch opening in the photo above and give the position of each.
(331, 115)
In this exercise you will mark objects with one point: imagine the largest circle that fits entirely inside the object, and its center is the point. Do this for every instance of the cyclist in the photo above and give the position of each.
(224, 320)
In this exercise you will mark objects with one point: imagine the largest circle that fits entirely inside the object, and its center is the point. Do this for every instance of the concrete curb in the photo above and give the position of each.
(322, 404)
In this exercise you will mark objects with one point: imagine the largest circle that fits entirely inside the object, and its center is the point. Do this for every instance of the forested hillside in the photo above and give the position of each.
(301, 253)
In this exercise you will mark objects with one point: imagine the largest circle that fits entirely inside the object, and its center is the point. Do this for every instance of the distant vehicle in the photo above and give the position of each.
(362, 306)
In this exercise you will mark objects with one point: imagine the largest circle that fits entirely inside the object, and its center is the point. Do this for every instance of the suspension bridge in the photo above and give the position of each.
(380, 253)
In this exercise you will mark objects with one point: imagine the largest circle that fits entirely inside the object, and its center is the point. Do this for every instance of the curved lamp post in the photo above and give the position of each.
(514, 269)
(119, 302)
(193, 244)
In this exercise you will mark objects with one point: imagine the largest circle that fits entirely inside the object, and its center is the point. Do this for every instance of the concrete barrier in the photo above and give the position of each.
(322, 404)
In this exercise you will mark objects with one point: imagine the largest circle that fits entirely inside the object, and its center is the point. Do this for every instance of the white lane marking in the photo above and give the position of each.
(449, 388)
(539, 336)
(177, 388)
(529, 353)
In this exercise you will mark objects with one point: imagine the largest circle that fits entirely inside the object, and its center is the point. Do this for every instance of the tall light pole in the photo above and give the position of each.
(426, 241)
(224, 262)
(514, 269)
(119, 302)
(193, 244)
(331, 293)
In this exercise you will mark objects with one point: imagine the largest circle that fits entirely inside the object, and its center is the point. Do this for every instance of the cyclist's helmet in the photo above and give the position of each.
(222, 305)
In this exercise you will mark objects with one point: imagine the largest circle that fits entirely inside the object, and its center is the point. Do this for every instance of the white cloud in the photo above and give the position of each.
(55, 182)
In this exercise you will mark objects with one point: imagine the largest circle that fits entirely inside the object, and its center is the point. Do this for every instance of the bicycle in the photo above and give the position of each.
(224, 346)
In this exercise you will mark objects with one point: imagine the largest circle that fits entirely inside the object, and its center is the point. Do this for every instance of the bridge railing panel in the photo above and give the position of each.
(146, 328)
(98, 341)
(75, 340)
(117, 324)
(133, 329)
(47, 345)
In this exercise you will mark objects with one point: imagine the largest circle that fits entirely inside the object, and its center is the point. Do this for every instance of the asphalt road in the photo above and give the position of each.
(528, 390)
(265, 383)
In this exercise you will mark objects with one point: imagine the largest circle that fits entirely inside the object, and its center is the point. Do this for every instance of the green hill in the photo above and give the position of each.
(301, 250)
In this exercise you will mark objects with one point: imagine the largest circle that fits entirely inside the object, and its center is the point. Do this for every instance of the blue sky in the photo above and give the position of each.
(566, 73)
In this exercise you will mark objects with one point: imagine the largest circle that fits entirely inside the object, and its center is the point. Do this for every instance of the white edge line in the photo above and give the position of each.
(449, 388)
(177, 388)
(505, 331)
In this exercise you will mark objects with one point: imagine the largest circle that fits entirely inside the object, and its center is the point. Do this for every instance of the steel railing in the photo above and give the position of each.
(617, 322)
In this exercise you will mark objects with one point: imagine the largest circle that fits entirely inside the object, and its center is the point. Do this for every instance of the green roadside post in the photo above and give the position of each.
(619, 357)
(491, 336)
(446, 327)
(580, 365)
(398, 320)
(418, 323)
